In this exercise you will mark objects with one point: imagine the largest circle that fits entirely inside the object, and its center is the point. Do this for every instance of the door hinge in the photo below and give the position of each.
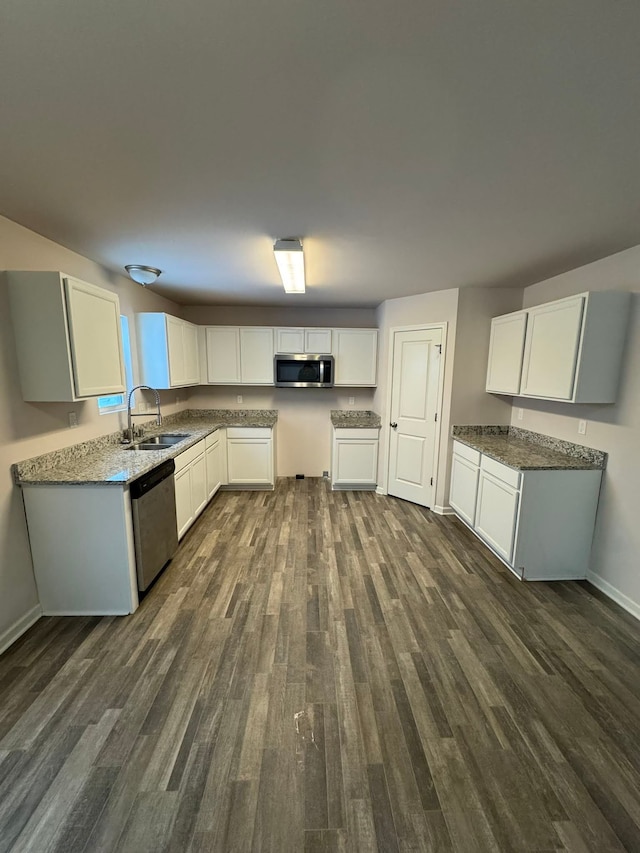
(439, 348)
(436, 418)
(432, 481)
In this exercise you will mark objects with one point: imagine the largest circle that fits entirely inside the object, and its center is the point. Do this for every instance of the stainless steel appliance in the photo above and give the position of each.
(302, 370)
(155, 528)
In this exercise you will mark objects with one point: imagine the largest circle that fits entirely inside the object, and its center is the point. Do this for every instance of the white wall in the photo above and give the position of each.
(468, 316)
(428, 308)
(470, 403)
(615, 558)
(29, 429)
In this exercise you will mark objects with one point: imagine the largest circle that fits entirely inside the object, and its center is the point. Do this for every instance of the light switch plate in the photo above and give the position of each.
(352, 401)
(520, 414)
(73, 420)
(582, 427)
(239, 398)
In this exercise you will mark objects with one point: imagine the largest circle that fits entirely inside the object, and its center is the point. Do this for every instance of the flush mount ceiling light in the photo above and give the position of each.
(290, 259)
(142, 275)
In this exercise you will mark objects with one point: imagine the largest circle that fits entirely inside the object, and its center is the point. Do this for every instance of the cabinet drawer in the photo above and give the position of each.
(189, 455)
(354, 432)
(501, 472)
(248, 432)
(467, 453)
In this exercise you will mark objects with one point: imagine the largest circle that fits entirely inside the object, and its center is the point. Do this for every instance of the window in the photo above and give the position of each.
(118, 402)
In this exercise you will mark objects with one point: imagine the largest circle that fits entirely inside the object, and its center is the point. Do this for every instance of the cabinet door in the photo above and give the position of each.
(256, 356)
(551, 349)
(497, 514)
(317, 341)
(289, 340)
(94, 334)
(214, 469)
(223, 355)
(175, 351)
(190, 343)
(355, 462)
(355, 353)
(250, 461)
(198, 469)
(464, 488)
(505, 353)
(184, 513)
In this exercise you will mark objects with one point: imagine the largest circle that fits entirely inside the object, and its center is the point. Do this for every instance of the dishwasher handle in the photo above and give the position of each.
(151, 479)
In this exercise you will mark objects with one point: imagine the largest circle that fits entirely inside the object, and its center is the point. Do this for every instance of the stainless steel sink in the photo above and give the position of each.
(157, 442)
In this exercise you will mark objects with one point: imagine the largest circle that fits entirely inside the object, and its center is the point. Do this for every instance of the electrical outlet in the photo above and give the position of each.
(73, 420)
(520, 414)
(239, 398)
(582, 427)
(352, 401)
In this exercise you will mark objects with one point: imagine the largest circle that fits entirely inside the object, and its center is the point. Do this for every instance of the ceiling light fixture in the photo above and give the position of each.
(141, 274)
(290, 259)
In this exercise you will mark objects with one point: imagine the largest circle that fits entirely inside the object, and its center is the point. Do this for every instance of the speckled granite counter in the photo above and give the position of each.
(529, 451)
(106, 461)
(354, 419)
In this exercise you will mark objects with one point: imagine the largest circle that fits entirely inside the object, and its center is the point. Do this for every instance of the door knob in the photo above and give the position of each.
(393, 425)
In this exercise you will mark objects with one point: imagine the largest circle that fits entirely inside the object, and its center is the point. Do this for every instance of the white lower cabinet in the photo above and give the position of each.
(539, 522)
(354, 458)
(216, 458)
(497, 514)
(191, 486)
(465, 468)
(250, 457)
(82, 547)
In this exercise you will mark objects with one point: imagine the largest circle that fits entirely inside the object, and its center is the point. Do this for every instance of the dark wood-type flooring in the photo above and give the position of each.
(323, 671)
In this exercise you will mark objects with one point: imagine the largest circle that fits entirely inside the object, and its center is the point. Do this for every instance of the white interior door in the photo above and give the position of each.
(414, 405)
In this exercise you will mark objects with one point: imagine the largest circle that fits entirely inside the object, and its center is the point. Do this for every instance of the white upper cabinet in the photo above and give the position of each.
(356, 356)
(67, 335)
(256, 356)
(244, 355)
(223, 354)
(572, 350)
(168, 351)
(506, 349)
(239, 356)
(303, 341)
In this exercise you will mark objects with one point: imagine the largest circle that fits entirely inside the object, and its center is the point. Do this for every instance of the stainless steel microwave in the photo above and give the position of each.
(298, 370)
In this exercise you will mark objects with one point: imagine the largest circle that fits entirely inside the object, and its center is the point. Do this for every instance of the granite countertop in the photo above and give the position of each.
(106, 461)
(355, 419)
(529, 451)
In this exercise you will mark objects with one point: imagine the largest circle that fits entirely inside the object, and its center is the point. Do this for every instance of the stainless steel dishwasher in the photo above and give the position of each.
(155, 528)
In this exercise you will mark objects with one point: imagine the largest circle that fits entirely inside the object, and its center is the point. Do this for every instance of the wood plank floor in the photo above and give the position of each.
(323, 671)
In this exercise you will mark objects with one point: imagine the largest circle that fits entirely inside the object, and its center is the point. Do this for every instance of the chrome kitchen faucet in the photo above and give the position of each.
(129, 431)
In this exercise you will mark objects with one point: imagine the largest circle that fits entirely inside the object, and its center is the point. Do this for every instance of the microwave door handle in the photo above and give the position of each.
(321, 370)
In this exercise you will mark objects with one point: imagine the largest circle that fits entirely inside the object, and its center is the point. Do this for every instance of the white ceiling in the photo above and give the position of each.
(415, 145)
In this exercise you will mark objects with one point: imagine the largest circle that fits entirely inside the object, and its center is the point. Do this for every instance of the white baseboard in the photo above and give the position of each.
(8, 637)
(614, 594)
(442, 510)
(380, 490)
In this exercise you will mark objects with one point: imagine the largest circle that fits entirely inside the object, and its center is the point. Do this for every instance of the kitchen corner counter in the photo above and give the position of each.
(106, 461)
(524, 450)
(354, 419)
